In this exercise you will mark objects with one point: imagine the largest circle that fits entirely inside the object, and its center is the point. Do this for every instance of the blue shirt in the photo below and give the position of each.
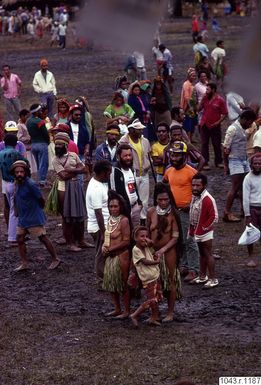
(7, 157)
(30, 214)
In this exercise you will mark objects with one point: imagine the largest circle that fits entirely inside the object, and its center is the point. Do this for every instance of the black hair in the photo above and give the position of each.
(10, 140)
(213, 86)
(248, 114)
(199, 38)
(121, 147)
(201, 72)
(123, 206)
(161, 188)
(219, 42)
(34, 106)
(176, 127)
(101, 166)
(174, 111)
(201, 177)
(162, 46)
(112, 125)
(163, 124)
(23, 112)
(6, 65)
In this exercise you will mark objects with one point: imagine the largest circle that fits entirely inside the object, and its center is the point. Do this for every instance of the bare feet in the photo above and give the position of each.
(114, 313)
(251, 263)
(74, 248)
(154, 322)
(86, 245)
(21, 267)
(168, 318)
(123, 316)
(54, 264)
(60, 241)
(134, 320)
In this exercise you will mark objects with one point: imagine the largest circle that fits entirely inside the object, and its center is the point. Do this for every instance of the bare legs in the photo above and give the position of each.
(236, 188)
(23, 252)
(207, 261)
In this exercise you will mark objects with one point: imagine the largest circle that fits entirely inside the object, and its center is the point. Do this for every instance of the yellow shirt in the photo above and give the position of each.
(138, 149)
(146, 273)
(157, 149)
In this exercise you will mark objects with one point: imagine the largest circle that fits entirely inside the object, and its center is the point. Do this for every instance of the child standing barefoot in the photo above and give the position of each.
(147, 267)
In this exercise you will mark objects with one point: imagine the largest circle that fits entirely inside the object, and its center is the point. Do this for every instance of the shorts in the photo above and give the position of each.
(35, 231)
(190, 124)
(205, 237)
(238, 166)
(255, 212)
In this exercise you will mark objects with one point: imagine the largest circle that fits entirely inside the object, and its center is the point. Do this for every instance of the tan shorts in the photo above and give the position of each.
(35, 232)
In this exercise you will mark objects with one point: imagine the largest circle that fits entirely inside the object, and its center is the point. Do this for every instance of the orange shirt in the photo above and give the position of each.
(180, 182)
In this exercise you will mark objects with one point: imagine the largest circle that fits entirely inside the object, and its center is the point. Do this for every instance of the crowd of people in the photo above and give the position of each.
(33, 24)
(137, 244)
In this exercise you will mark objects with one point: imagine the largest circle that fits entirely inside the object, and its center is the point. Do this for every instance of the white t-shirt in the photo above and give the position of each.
(62, 30)
(130, 186)
(96, 198)
(233, 100)
(75, 131)
(140, 62)
(218, 53)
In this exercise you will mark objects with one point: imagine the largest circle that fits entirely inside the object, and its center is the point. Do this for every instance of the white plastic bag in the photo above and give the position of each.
(249, 236)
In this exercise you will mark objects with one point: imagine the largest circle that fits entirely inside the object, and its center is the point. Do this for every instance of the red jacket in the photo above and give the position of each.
(208, 214)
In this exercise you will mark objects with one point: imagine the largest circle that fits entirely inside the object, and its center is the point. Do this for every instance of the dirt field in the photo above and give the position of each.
(53, 328)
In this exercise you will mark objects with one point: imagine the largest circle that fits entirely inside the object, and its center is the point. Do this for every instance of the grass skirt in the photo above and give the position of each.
(164, 278)
(112, 278)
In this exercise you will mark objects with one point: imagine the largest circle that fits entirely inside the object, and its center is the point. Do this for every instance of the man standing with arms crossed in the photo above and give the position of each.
(11, 84)
(179, 177)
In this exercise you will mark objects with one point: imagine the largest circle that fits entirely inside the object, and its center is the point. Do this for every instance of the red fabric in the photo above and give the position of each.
(212, 110)
(72, 147)
(208, 216)
(41, 124)
(195, 26)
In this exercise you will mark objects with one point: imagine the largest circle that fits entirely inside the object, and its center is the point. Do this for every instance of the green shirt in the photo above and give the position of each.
(37, 130)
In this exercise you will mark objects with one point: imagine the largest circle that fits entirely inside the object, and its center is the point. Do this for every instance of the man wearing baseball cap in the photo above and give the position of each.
(141, 151)
(107, 149)
(179, 176)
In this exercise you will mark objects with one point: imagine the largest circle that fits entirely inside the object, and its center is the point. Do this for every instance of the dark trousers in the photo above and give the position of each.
(215, 135)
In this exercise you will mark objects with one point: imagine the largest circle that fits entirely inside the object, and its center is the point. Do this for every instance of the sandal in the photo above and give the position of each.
(230, 217)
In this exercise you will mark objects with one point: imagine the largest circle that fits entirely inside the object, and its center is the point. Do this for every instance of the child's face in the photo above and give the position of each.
(141, 238)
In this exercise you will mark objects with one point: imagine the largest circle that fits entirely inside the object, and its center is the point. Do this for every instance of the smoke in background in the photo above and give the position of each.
(246, 77)
(125, 25)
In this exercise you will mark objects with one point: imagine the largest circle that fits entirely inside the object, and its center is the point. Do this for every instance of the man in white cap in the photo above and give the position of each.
(141, 164)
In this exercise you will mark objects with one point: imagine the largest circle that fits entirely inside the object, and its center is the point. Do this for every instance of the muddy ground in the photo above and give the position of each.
(53, 328)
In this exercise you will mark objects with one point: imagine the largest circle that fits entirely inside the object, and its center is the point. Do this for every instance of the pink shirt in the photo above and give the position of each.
(12, 86)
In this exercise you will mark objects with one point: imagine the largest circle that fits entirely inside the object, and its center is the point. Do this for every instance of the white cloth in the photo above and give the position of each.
(44, 85)
(251, 192)
(218, 53)
(62, 30)
(75, 131)
(130, 186)
(200, 90)
(157, 52)
(257, 138)
(96, 198)
(112, 150)
(233, 105)
(139, 57)
(143, 185)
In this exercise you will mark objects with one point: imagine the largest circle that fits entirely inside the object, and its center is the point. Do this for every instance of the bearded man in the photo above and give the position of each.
(29, 205)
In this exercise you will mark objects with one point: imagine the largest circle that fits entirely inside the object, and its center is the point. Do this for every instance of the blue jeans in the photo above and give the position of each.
(40, 153)
(190, 257)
